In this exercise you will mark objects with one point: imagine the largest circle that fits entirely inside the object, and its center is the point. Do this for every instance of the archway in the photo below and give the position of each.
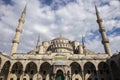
(104, 71)
(76, 71)
(45, 71)
(31, 70)
(17, 69)
(90, 72)
(5, 70)
(59, 75)
(115, 70)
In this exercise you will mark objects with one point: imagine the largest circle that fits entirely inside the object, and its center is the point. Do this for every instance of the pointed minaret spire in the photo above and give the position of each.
(105, 40)
(96, 9)
(60, 34)
(24, 10)
(83, 44)
(38, 41)
(16, 39)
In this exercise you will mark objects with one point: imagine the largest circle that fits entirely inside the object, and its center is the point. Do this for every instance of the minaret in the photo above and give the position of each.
(105, 40)
(18, 32)
(38, 41)
(83, 44)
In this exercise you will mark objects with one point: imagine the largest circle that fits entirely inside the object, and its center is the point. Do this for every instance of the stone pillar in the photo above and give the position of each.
(98, 75)
(10, 70)
(38, 75)
(24, 66)
(83, 77)
(9, 73)
(69, 76)
(66, 77)
(0, 70)
(23, 75)
(82, 69)
(54, 75)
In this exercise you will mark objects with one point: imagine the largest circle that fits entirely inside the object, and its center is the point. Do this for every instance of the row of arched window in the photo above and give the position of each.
(45, 68)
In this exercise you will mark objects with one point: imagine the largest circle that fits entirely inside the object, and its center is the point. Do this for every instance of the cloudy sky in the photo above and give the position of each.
(50, 18)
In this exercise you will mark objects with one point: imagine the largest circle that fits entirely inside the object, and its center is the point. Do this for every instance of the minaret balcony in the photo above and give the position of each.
(99, 20)
(21, 20)
(102, 29)
(15, 41)
(105, 41)
(19, 30)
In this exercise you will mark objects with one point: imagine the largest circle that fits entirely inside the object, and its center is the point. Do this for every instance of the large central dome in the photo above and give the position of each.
(61, 44)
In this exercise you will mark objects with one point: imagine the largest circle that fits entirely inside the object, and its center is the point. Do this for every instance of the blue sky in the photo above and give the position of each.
(72, 18)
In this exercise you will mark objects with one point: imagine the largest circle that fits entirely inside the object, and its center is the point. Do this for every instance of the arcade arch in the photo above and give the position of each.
(60, 75)
(76, 71)
(45, 70)
(5, 70)
(17, 68)
(90, 72)
(104, 71)
(31, 70)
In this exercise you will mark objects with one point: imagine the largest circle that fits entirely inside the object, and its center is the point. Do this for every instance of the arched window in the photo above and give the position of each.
(5, 69)
(31, 68)
(17, 68)
(76, 71)
(60, 75)
(89, 71)
(45, 68)
(104, 69)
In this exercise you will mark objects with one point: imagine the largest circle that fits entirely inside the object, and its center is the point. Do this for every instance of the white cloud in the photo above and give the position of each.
(114, 43)
(72, 21)
(115, 3)
(41, 28)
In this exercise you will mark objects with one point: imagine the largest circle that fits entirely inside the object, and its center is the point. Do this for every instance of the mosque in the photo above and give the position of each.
(60, 59)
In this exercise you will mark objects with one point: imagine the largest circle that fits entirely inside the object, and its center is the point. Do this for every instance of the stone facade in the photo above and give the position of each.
(53, 65)
(60, 59)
